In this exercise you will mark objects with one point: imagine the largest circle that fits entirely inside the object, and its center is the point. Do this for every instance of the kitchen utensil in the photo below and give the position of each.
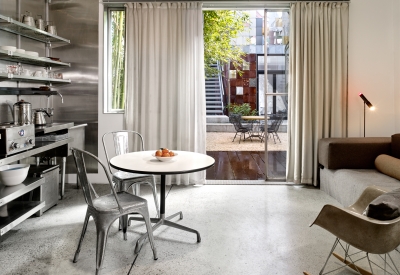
(22, 112)
(26, 72)
(39, 118)
(51, 28)
(12, 69)
(39, 23)
(28, 19)
(38, 74)
(13, 174)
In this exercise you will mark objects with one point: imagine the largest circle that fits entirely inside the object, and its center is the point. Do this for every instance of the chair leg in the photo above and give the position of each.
(85, 224)
(100, 248)
(235, 137)
(150, 234)
(124, 221)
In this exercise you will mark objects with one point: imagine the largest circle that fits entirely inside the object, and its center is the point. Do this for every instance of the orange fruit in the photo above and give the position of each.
(165, 150)
(165, 155)
(158, 153)
(171, 153)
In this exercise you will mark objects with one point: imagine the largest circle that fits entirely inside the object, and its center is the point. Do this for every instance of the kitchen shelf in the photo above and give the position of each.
(31, 60)
(25, 91)
(10, 25)
(13, 77)
(18, 211)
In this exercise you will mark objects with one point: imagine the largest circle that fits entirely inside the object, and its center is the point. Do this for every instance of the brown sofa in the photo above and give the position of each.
(347, 165)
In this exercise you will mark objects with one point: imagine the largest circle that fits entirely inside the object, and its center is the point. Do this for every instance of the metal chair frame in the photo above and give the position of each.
(236, 120)
(125, 180)
(106, 209)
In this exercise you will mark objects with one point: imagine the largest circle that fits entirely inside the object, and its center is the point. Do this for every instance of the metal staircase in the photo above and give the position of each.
(214, 93)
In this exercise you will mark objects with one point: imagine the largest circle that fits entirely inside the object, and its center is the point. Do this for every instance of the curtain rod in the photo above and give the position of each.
(223, 2)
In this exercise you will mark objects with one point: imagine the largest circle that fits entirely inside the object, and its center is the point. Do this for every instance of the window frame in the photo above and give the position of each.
(107, 80)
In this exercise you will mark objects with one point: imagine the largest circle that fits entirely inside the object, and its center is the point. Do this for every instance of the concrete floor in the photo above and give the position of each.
(254, 229)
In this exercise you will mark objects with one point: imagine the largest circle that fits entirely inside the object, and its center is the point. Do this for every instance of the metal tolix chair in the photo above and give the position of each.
(106, 209)
(124, 180)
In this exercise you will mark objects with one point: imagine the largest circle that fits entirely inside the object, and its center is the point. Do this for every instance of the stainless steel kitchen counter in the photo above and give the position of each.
(53, 127)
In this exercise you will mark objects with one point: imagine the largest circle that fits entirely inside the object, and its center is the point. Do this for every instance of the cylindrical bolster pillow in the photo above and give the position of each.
(388, 165)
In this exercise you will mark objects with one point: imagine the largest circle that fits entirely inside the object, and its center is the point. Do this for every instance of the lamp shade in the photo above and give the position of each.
(366, 101)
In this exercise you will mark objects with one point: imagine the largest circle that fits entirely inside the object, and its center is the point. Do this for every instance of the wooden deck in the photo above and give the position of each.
(246, 165)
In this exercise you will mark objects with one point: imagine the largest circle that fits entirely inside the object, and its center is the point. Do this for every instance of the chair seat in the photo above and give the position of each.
(121, 175)
(108, 204)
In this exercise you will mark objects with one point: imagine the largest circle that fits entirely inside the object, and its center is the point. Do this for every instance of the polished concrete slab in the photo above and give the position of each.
(252, 229)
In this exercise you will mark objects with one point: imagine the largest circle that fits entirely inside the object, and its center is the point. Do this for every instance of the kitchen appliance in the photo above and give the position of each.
(40, 23)
(16, 138)
(28, 19)
(22, 111)
(38, 117)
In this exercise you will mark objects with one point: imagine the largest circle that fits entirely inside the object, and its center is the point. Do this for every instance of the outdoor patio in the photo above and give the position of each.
(222, 141)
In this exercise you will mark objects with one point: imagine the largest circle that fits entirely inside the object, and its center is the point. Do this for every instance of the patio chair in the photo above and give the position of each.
(107, 208)
(273, 128)
(125, 180)
(354, 229)
(236, 120)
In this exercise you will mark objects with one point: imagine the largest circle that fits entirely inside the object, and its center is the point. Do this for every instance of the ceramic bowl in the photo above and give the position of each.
(8, 48)
(36, 54)
(20, 51)
(165, 158)
(13, 174)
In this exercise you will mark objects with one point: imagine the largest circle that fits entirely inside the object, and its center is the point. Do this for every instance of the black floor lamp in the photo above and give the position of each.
(370, 106)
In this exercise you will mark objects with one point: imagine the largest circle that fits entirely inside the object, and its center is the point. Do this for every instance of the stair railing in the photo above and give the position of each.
(221, 86)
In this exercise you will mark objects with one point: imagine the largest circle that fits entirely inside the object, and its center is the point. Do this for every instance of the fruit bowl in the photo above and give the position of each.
(13, 174)
(164, 158)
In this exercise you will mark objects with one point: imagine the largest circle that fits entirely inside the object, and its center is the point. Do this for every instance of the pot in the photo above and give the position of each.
(39, 118)
(22, 113)
(50, 28)
(40, 23)
(28, 19)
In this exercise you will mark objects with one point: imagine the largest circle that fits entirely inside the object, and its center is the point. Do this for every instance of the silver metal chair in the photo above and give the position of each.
(236, 120)
(124, 180)
(106, 209)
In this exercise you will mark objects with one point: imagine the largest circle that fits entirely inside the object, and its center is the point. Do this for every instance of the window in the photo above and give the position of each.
(114, 81)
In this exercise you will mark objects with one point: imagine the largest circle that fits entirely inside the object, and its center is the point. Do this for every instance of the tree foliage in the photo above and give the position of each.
(220, 26)
(118, 59)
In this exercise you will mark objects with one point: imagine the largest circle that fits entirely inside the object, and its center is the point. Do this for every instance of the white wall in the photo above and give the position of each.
(374, 66)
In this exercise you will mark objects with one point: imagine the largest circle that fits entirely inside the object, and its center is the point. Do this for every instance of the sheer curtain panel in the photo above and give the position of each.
(165, 99)
(318, 83)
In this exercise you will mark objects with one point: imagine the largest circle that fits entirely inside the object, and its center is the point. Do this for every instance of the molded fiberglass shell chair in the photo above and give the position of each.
(236, 120)
(361, 232)
(124, 180)
(106, 209)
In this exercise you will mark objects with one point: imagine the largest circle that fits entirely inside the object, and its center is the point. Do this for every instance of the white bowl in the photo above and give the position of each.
(164, 158)
(8, 48)
(13, 174)
(20, 51)
(32, 53)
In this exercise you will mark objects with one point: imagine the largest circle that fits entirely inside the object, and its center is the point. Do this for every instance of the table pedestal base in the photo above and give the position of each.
(163, 221)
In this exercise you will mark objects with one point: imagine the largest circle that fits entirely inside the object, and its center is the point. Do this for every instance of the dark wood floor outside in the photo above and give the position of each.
(246, 165)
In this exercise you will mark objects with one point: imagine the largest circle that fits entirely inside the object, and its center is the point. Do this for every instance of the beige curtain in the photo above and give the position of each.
(165, 78)
(318, 83)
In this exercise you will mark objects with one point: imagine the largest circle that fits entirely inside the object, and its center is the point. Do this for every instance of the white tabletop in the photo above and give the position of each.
(143, 162)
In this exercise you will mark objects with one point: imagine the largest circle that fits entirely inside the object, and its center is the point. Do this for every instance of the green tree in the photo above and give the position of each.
(118, 59)
(220, 26)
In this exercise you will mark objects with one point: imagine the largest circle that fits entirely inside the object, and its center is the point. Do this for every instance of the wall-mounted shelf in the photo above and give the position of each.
(21, 78)
(25, 91)
(28, 59)
(10, 25)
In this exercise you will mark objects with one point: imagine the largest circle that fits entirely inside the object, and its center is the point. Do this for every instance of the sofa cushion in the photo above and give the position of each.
(395, 146)
(385, 207)
(388, 165)
(352, 153)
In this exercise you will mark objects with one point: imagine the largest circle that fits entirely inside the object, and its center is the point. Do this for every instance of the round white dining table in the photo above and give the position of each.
(144, 162)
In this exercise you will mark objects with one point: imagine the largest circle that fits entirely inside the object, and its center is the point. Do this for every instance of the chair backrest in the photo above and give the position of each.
(124, 141)
(236, 120)
(88, 190)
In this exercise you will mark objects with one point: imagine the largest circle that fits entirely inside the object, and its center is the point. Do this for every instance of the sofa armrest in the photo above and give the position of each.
(352, 153)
